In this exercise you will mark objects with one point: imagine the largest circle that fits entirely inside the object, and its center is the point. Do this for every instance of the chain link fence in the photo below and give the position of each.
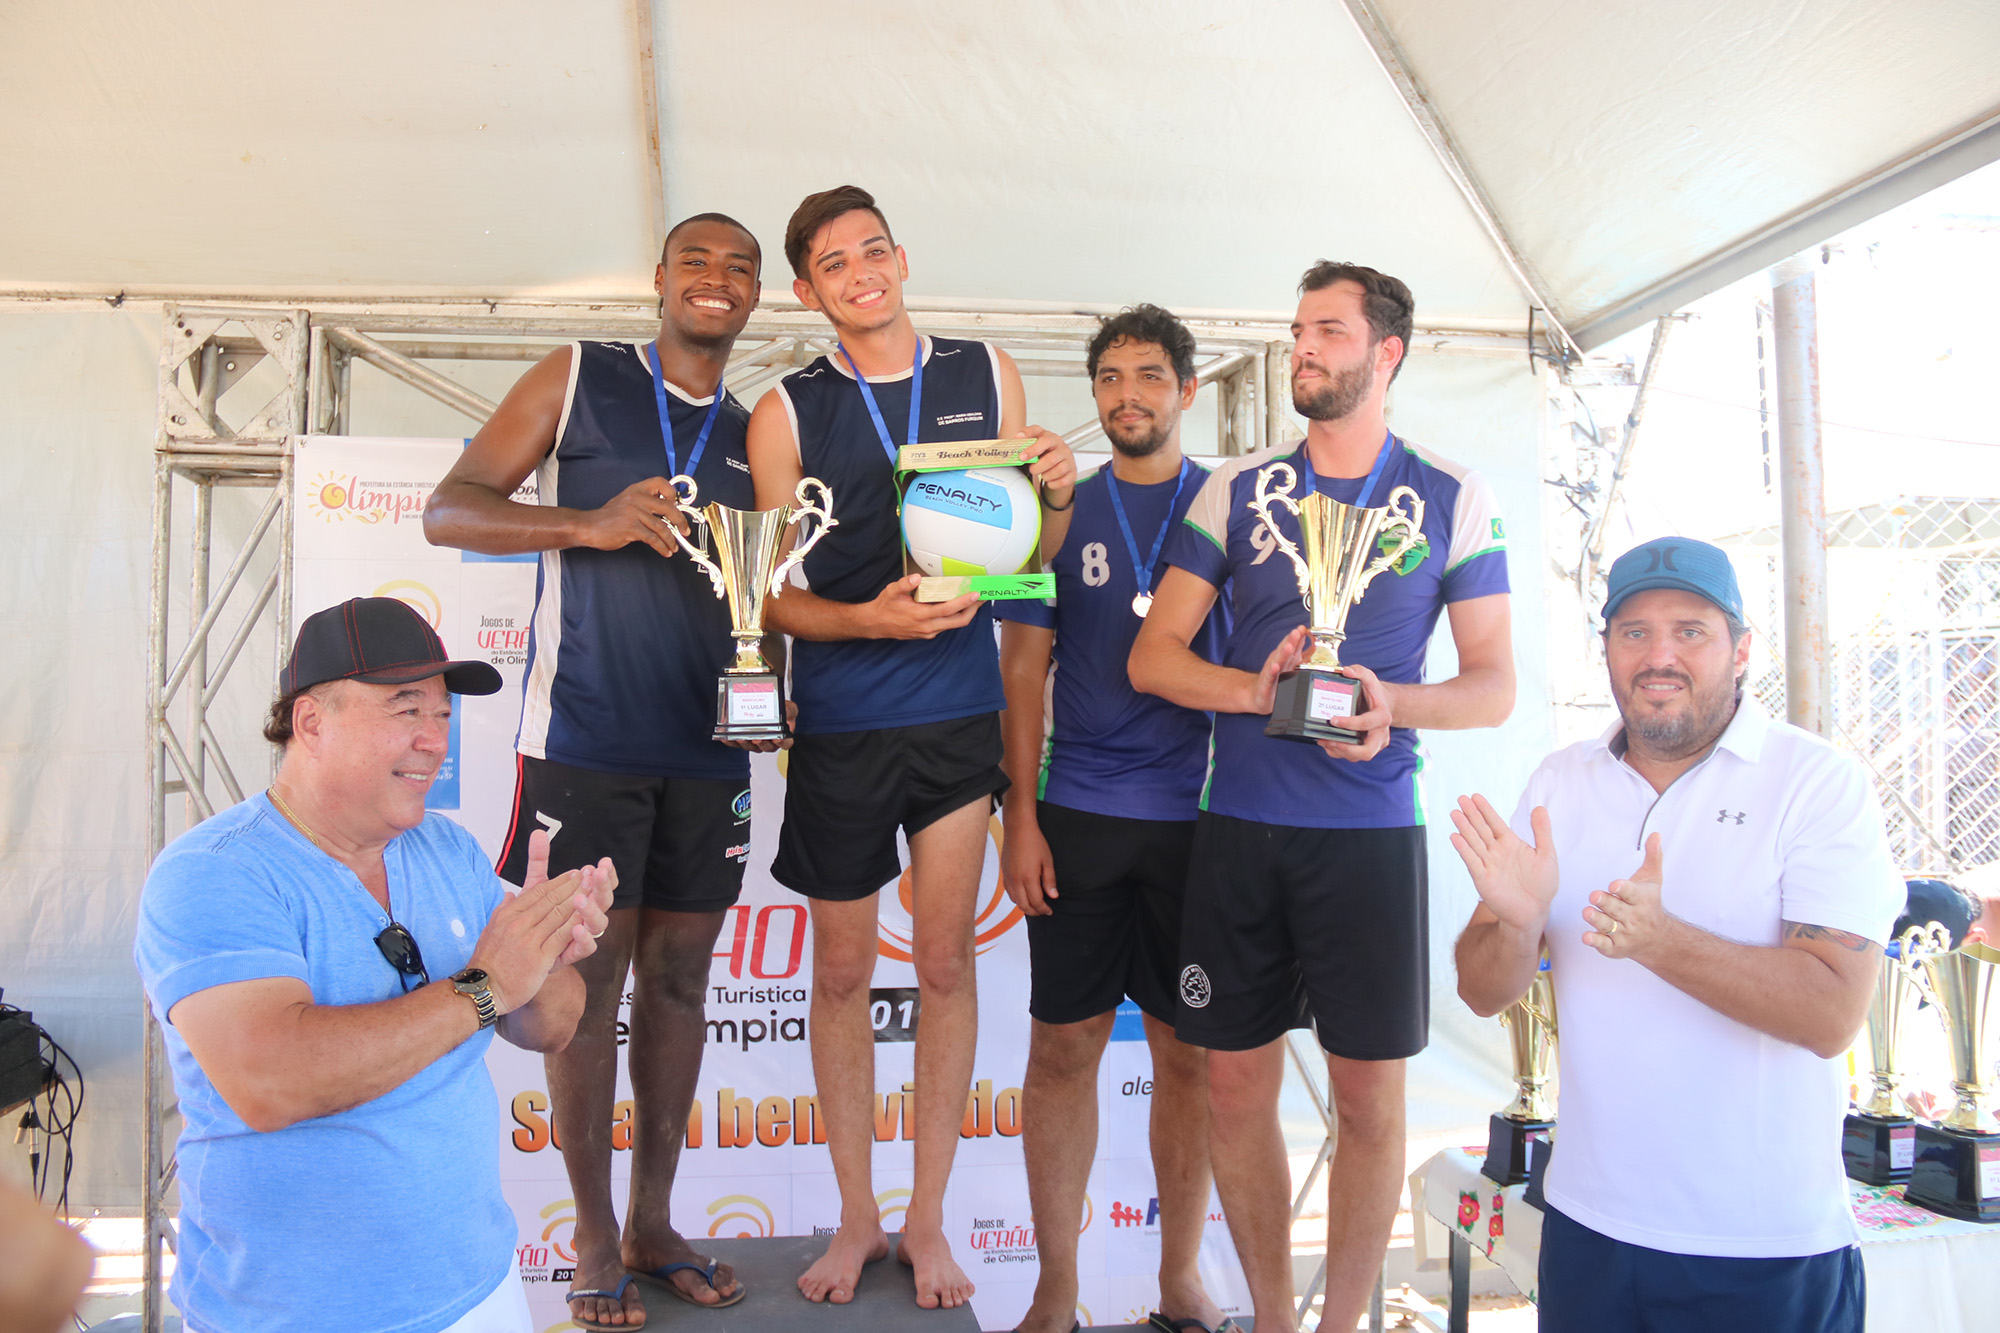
(1915, 616)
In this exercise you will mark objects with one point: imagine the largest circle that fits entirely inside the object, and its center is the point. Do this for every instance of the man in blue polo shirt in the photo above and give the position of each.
(1100, 818)
(1307, 894)
(329, 963)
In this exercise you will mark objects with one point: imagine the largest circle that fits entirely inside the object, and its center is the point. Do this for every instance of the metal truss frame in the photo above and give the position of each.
(208, 349)
(205, 350)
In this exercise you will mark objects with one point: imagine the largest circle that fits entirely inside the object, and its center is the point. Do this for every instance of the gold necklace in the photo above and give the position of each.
(285, 810)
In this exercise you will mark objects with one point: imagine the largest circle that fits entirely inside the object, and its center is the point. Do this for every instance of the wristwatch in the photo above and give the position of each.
(471, 983)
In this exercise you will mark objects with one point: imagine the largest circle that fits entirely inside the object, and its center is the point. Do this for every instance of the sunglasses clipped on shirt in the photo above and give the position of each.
(400, 948)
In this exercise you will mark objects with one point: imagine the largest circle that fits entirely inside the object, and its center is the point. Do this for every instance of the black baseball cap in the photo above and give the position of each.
(1938, 902)
(380, 641)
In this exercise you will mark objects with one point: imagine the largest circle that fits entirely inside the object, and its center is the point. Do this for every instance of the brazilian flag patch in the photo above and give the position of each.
(1499, 535)
(1415, 556)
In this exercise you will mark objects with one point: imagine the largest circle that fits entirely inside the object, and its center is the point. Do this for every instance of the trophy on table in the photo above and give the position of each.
(1878, 1142)
(1531, 1043)
(749, 698)
(1345, 548)
(1957, 1167)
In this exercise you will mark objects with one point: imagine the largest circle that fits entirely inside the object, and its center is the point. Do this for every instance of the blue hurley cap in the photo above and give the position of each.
(1674, 562)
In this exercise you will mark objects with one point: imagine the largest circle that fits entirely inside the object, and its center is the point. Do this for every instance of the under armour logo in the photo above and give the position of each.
(1724, 816)
(1663, 555)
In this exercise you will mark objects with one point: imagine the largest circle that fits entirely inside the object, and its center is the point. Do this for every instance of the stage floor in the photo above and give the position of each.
(886, 1301)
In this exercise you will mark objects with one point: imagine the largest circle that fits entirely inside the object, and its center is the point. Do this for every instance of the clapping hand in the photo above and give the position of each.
(1516, 880)
(550, 923)
(1627, 918)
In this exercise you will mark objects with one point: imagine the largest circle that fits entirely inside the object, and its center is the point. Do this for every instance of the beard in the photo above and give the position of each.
(1335, 398)
(1679, 734)
(1141, 441)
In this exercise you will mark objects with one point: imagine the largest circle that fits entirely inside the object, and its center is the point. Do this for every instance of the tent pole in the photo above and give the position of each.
(1801, 486)
(1415, 101)
(152, 1212)
(649, 111)
(1593, 542)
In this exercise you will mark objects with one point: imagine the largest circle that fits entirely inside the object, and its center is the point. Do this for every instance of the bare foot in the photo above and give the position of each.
(940, 1281)
(675, 1250)
(603, 1272)
(835, 1274)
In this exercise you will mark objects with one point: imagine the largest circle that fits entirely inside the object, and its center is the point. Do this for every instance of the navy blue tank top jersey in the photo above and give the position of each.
(864, 684)
(1109, 749)
(626, 645)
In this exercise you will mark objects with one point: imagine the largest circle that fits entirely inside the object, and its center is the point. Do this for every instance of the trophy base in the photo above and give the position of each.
(1956, 1174)
(1309, 703)
(1509, 1145)
(750, 708)
(1878, 1150)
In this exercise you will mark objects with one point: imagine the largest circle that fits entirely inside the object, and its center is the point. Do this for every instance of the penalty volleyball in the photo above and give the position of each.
(972, 521)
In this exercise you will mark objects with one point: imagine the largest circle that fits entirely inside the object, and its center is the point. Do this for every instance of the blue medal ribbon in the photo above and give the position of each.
(1305, 462)
(1144, 572)
(667, 422)
(875, 410)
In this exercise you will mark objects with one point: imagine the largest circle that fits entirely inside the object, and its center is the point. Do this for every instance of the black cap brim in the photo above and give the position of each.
(459, 677)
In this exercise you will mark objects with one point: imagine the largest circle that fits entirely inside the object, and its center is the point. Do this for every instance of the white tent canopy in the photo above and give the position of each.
(1633, 156)
(1606, 162)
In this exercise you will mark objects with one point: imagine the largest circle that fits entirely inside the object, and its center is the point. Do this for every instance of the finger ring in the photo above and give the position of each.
(598, 936)
(1611, 925)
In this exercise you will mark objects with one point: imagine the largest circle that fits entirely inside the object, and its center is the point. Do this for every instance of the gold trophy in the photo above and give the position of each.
(1531, 1043)
(749, 697)
(1878, 1142)
(1957, 1166)
(1345, 548)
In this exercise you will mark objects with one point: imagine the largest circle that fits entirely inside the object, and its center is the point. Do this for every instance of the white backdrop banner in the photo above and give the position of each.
(755, 1161)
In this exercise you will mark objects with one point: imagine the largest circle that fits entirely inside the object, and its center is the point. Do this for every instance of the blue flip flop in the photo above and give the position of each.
(618, 1294)
(663, 1277)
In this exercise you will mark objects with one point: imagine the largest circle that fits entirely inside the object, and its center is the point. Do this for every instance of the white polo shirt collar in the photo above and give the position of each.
(1744, 736)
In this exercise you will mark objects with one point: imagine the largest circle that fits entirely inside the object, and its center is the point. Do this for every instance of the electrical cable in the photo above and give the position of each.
(62, 1098)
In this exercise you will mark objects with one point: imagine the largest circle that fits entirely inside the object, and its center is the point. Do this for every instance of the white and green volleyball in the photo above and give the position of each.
(976, 521)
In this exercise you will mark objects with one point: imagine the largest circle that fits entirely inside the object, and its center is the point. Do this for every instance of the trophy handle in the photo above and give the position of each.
(1406, 518)
(686, 490)
(1261, 502)
(1913, 946)
(815, 500)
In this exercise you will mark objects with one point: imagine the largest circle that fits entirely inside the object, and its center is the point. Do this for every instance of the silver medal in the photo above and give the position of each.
(1142, 604)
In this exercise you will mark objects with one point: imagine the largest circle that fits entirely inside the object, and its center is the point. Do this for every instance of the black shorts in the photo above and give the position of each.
(847, 793)
(1289, 927)
(678, 844)
(1114, 926)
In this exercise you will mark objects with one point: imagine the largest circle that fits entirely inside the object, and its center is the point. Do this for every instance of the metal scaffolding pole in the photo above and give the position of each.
(1802, 496)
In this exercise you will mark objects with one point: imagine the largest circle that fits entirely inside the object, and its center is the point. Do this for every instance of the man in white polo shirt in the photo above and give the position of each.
(1713, 889)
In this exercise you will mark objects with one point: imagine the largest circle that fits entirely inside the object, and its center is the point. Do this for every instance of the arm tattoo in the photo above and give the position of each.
(1798, 930)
